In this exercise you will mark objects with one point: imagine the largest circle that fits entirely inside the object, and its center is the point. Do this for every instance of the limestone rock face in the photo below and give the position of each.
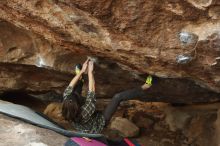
(130, 39)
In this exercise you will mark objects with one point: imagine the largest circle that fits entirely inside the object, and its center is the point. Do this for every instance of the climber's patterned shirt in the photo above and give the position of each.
(91, 121)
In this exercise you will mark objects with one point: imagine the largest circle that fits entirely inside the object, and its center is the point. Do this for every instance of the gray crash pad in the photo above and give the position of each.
(28, 115)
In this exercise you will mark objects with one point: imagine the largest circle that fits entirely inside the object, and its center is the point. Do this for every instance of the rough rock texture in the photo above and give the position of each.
(177, 40)
(17, 133)
(130, 39)
(125, 127)
(28, 61)
(196, 125)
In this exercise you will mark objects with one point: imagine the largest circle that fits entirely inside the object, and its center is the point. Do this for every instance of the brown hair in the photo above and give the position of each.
(70, 108)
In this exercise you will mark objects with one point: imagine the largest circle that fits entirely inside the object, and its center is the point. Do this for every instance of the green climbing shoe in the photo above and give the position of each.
(149, 80)
(78, 68)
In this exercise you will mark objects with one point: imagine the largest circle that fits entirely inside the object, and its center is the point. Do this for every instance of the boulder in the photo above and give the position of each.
(141, 115)
(125, 127)
(143, 122)
(15, 132)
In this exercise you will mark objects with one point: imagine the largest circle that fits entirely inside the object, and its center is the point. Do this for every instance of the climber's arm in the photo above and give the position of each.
(91, 77)
(78, 76)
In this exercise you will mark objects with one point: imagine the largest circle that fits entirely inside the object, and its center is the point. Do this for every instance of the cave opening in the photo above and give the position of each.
(23, 98)
(176, 92)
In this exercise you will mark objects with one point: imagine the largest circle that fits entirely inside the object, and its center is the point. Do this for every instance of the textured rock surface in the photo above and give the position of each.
(125, 127)
(165, 39)
(141, 35)
(14, 132)
(197, 123)
(184, 125)
(179, 41)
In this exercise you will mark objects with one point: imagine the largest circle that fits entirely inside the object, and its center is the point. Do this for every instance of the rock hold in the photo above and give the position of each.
(216, 64)
(183, 59)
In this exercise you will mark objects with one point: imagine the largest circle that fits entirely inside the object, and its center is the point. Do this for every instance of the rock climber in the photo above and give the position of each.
(81, 112)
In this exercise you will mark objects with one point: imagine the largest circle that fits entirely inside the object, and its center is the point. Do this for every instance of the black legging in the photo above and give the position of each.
(117, 98)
